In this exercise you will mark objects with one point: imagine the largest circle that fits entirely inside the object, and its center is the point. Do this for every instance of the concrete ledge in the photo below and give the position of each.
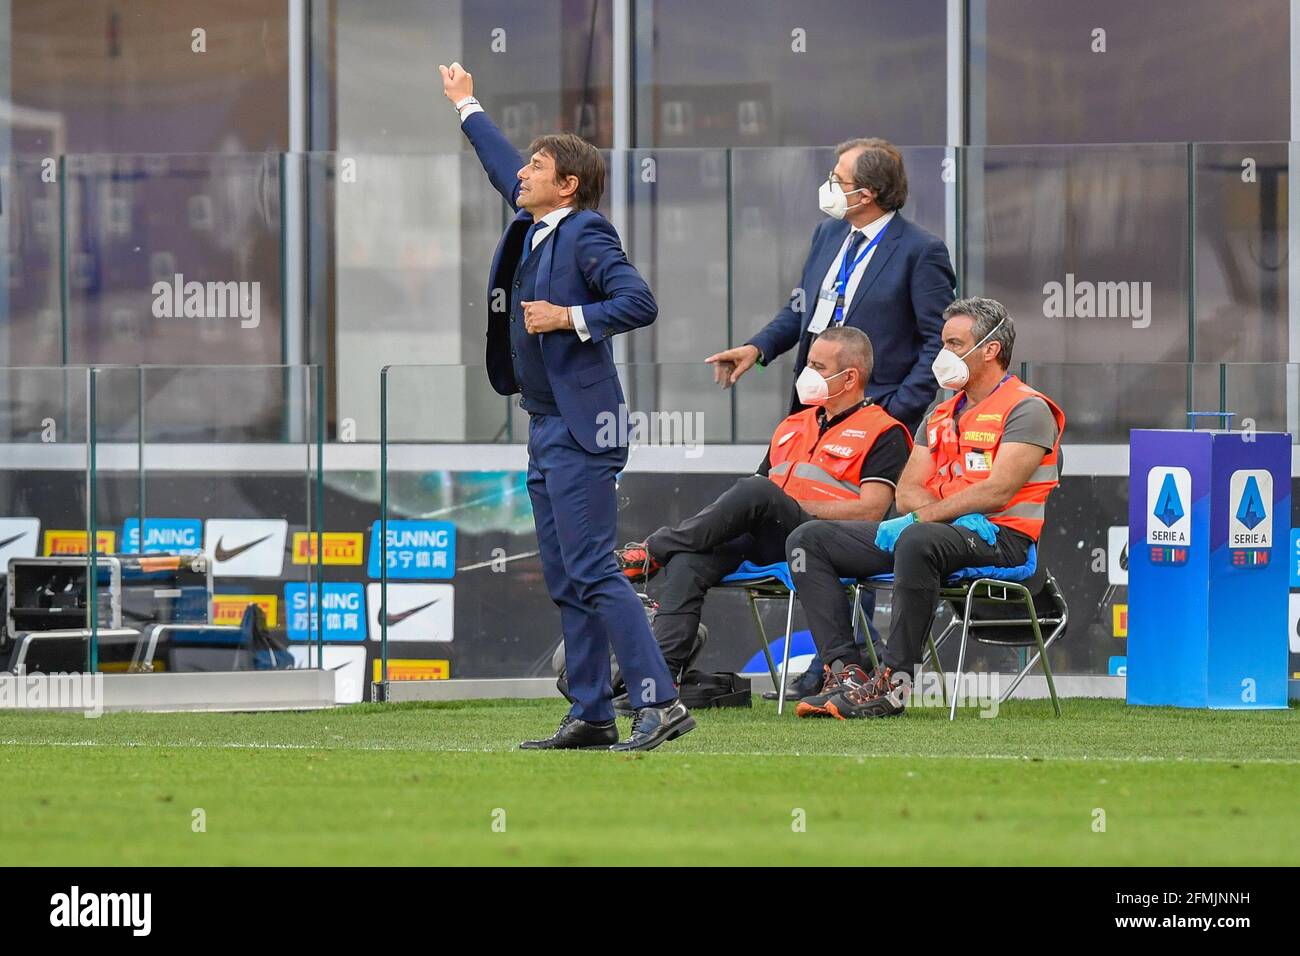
(515, 687)
(227, 691)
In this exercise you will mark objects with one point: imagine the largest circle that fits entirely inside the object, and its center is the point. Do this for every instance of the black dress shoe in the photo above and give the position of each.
(807, 683)
(656, 725)
(575, 734)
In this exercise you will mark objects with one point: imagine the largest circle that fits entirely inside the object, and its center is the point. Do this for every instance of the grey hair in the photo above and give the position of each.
(987, 315)
(855, 349)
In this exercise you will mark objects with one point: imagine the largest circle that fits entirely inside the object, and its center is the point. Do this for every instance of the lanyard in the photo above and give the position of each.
(961, 402)
(846, 270)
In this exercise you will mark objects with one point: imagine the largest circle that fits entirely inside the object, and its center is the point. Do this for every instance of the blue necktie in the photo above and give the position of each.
(528, 241)
(846, 266)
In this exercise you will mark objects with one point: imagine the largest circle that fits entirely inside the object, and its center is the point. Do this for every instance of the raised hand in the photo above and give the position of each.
(457, 83)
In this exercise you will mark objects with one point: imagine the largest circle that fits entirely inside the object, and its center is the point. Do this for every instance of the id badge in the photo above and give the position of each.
(978, 461)
(824, 312)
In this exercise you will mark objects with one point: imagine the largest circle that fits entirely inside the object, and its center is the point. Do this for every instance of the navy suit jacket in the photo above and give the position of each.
(899, 303)
(582, 263)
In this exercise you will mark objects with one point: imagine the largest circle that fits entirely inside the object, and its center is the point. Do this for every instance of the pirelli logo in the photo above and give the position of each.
(971, 435)
(337, 547)
(228, 609)
(74, 542)
(412, 669)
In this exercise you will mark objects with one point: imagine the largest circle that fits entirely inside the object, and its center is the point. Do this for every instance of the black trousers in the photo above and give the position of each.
(822, 552)
(750, 521)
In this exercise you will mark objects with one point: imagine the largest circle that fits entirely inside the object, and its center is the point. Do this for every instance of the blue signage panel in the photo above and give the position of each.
(1295, 557)
(343, 606)
(162, 535)
(417, 550)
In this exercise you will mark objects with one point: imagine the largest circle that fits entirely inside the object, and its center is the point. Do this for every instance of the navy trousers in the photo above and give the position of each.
(575, 507)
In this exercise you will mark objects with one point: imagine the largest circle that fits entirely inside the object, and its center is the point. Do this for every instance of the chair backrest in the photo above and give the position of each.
(1049, 604)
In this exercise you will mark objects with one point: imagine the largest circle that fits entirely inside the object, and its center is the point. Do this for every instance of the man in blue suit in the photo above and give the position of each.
(560, 288)
(871, 269)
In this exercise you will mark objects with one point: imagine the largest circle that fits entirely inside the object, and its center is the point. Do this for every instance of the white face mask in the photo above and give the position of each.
(811, 387)
(950, 369)
(833, 200)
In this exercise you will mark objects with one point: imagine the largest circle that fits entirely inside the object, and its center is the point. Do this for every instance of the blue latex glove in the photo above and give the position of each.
(887, 532)
(981, 525)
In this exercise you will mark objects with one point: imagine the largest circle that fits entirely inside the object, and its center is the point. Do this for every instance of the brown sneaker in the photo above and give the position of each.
(636, 562)
(833, 683)
(884, 695)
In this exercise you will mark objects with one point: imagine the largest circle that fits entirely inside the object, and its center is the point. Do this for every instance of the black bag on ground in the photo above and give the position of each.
(620, 689)
(722, 689)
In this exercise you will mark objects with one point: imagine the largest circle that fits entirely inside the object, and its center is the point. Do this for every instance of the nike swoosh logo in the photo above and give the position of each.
(221, 553)
(8, 541)
(394, 619)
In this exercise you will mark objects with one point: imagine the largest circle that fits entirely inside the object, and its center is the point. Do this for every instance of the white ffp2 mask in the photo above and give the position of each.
(950, 369)
(812, 387)
(833, 200)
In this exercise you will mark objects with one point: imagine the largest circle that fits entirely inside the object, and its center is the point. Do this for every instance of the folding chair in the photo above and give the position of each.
(772, 582)
(984, 590)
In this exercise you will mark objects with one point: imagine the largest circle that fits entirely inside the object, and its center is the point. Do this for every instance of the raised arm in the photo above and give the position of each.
(499, 159)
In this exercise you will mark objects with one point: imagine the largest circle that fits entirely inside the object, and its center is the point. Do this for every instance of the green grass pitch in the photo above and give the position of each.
(432, 784)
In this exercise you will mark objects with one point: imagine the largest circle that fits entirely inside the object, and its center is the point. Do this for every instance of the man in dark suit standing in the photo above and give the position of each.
(560, 287)
(868, 268)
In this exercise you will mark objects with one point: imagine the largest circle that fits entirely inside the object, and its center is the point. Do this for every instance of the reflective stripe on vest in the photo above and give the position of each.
(811, 466)
(810, 472)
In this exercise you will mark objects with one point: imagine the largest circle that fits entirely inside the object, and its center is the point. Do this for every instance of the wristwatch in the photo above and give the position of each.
(467, 101)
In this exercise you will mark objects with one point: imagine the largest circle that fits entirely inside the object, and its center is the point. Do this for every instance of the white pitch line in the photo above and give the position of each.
(877, 755)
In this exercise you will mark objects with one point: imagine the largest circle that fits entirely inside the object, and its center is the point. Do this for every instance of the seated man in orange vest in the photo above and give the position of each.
(972, 495)
(837, 458)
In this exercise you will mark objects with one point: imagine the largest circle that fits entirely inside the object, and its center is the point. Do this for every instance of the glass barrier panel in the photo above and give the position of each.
(1242, 275)
(51, 597)
(209, 478)
(31, 333)
(1086, 246)
(172, 257)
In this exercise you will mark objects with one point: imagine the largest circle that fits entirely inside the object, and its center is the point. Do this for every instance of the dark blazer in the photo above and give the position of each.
(582, 263)
(899, 303)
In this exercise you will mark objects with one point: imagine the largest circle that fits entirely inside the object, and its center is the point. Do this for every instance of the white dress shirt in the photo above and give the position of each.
(870, 231)
(546, 225)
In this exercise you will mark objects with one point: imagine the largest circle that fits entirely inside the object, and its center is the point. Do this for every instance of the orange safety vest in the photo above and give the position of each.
(964, 453)
(810, 466)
